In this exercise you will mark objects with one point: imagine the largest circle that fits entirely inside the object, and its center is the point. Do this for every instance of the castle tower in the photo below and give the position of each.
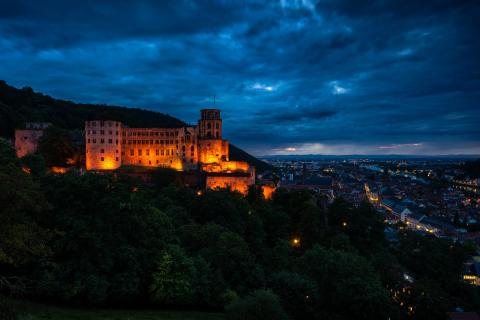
(210, 124)
(212, 149)
(103, 145)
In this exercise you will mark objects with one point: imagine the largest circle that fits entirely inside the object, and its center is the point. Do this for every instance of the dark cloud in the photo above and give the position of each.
(315, 75)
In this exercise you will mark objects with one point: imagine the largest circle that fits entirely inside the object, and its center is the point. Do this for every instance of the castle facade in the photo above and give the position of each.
(110, 145)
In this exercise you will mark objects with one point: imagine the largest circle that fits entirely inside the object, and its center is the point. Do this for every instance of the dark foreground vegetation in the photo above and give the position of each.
(109, 241)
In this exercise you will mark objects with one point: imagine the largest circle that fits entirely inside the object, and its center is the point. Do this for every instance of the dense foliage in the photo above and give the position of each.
(100, 239)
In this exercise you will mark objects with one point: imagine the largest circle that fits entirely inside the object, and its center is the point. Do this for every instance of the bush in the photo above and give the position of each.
(260, 305)
(7, 311)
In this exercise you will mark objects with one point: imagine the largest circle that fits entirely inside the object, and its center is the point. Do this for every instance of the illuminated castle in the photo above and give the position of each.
(110, 145)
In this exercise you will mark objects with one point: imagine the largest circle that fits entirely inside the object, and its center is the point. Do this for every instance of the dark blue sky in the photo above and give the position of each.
(291, 77)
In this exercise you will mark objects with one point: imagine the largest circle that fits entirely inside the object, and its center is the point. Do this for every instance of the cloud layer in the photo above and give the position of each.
(290, 76)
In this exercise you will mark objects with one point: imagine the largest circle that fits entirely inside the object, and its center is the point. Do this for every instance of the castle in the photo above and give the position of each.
(110, 145)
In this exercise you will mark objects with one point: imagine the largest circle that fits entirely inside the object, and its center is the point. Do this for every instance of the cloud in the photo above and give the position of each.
(289, 74)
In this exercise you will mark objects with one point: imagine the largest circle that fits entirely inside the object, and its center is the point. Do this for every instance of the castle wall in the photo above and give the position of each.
(236, 182)
(26, 141)
(103, 145)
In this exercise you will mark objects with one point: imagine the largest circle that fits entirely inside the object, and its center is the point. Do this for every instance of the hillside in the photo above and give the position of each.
(18, 106)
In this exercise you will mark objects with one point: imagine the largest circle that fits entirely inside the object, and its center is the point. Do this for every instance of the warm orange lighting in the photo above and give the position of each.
(59, 170)
(296, 242)
(199, 192)
(268, 192)
(344, 224)
(26, 170)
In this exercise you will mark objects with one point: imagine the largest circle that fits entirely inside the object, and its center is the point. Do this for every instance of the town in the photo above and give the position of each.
(428, 195)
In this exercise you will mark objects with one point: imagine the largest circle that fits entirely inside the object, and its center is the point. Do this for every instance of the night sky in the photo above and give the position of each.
(291, 77)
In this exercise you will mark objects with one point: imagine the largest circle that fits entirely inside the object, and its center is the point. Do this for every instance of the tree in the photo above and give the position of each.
(173, 278)
(348, 285)
(56, 147)
(22, 238)
(260, 305)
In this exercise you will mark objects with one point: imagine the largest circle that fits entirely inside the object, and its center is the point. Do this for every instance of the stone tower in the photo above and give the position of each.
(103, 145)
(212, 149)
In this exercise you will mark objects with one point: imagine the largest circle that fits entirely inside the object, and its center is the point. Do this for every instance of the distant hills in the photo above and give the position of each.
(18, 106)
(308, 157)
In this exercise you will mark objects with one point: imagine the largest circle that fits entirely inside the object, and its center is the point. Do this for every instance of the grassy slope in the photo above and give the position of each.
(35, 311)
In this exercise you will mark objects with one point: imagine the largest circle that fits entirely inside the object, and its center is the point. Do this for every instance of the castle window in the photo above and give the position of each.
(157, 152)
(217, 126)
(151, 133)
(139, 161)
(157, 161)
(102, 159)
(102, 123)
(151, 141)
(139, 152)
(102, 151)
(123, 153)
(116, 151)
(216, 134)
(156, 141)
(176, 133)
(134, 141)
(109, 124)
(110, 141)
(94, 140)
(147, 152)
(192, 148)
(116, 124)
(124, 141)
(102, 131)
(209, 134)
(88, 131)
(149, 162)
(88, 141)
(168, 152)
(110, 132)
(94, 131)
(131, 152)
(209, 125)
(116, 141)
(116, 159)
(102, 140)
(156, 133)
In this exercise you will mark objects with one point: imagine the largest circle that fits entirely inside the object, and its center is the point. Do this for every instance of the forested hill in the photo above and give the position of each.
(18, 106)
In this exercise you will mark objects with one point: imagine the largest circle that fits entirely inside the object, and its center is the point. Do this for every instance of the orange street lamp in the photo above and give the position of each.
(296, 242)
